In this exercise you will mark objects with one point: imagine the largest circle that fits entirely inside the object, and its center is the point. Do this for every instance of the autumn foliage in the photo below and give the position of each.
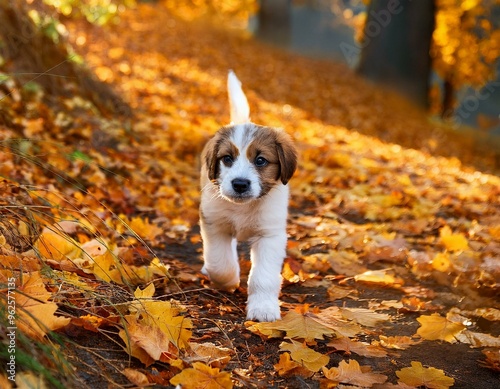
(392, 258)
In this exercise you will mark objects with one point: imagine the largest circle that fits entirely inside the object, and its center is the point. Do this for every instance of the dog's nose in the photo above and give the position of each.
(240, 185)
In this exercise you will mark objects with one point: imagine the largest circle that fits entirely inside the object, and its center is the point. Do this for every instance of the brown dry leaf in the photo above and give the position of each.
(477, 339)
(201, 376)
(286, 366)
(430, 377)
(360, 348)
(331, 317)
(307, 357)
(492, 359)
(397, 342)
(436, 327)
(210, 354)
(351, 372)
(298, 324)
(136, 377)
(365, 317)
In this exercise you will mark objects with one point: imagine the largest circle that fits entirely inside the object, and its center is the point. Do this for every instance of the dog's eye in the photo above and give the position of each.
(227, 160)
(260, 161)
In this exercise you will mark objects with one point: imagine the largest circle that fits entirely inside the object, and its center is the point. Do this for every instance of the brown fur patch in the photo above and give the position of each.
(277, 148)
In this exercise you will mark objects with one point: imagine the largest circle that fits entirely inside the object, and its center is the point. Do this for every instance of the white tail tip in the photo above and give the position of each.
(240, 111)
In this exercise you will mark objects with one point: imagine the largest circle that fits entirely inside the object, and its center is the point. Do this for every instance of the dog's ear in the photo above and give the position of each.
(238, 103)
(287, 156)
(209, 157)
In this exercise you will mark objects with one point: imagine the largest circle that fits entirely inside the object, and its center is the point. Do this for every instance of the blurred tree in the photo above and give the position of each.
(33, 49)
(403, 41)
(396, 45)
(465, 46)
(274, 20)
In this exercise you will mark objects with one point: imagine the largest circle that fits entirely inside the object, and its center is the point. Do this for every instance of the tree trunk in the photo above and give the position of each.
(395, 49)
(274, 20)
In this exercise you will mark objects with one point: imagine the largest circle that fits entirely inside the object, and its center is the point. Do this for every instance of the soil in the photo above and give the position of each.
(219, 317)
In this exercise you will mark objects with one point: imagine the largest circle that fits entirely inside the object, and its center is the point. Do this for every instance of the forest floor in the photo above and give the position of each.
(394, 236)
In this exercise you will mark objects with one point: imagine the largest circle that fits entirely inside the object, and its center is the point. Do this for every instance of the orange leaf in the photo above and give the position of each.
(352, 373)
(417, 375)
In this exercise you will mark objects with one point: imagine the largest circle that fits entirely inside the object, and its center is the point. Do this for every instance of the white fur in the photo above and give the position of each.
(240, 111)
(259, 220)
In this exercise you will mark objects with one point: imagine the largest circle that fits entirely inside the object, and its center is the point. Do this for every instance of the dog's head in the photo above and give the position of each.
(247, 160)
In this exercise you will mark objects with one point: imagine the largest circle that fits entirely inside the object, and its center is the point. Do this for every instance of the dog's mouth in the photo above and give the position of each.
(239, 198)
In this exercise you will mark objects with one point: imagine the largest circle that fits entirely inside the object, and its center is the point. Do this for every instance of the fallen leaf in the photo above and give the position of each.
(210, 354)
(286, 366)
(436, 327)
(135, 377)
(360, 348)
(477, 339)
(451, 241)
(380, 277)
(430, 377)
(352, 373)
(365, 317)
(201, 376)
(397, 342)
(307, 357)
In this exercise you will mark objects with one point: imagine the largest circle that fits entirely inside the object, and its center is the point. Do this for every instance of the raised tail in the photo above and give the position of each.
(240, 111)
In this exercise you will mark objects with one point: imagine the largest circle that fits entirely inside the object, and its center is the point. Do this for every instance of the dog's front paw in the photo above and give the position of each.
(228, 281)
(263, 309)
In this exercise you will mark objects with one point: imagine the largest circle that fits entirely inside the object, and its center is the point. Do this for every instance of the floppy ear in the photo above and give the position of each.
(209, 156)
(287, 156)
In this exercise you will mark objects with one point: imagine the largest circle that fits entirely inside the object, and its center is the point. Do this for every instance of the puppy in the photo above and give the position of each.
(244, 176)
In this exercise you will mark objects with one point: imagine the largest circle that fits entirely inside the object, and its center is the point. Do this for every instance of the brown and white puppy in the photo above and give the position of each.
(244, 176)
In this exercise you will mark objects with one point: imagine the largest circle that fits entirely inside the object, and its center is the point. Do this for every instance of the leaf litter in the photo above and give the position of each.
(373, 226)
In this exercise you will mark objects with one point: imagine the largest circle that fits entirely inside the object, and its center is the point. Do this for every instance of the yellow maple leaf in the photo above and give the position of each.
(147, 292)
(451, 241)
(351, 372)
(201, 376)
(430, 377)
(307, 357)
(436, 327)
(166, 317)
